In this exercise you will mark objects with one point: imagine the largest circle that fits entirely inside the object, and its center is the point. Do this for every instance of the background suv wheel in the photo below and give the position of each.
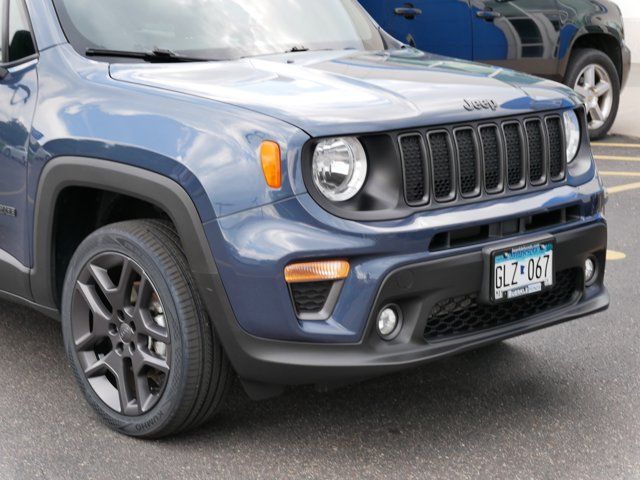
(592, 74)
(138, 339)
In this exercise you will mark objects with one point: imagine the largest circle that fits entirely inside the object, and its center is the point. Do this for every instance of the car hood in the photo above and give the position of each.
(330, 93)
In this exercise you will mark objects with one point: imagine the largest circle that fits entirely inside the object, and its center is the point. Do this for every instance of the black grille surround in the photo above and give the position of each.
(465, 314)
(418, 169)
(484, 160)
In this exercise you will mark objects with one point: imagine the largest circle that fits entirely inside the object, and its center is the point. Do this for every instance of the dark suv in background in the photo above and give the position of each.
(577, 42)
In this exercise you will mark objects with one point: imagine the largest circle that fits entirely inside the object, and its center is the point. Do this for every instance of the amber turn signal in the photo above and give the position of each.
(271, 163)
(322, 271)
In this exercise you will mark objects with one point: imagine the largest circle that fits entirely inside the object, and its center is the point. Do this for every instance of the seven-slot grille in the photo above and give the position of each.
(482, 160)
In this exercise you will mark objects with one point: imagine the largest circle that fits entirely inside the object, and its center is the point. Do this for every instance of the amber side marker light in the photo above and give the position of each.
(271, 163)
(323, 271)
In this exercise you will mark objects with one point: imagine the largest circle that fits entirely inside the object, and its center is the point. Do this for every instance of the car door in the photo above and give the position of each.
(18, 85)
(437, 26)
(519, 34)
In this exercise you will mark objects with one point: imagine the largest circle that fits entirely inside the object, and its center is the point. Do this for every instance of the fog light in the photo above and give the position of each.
(389, 322)
(590, 271)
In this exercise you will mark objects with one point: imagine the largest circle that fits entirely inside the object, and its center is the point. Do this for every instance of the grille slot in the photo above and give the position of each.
(515, 155)
(310, 297)
(462, 315)
(415, 173)
(556, 149)
(493, 231)
(442, 166)
(468, 162)
(492, 159)
(535, 140)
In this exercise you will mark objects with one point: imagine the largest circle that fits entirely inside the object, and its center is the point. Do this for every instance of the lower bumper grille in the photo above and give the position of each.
(464, 314)
(310, 297)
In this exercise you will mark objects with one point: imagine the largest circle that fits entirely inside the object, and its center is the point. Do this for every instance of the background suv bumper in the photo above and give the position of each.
(626, 65)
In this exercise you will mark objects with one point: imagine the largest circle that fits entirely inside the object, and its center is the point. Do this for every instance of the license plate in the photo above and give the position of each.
(522, 271)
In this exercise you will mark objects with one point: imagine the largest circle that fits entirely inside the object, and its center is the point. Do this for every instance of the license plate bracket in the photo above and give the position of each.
(521, 271)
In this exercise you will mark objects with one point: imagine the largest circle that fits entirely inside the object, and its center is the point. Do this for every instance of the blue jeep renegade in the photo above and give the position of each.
(280, 191)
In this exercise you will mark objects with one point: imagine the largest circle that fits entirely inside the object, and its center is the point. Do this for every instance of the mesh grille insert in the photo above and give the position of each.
(556, 154)
(513, 141)
(310, 297)
(464, 314)
(481, 160)
(491, 150)
(536, 151)
(442, 165)
(414, 168)
(468, 161)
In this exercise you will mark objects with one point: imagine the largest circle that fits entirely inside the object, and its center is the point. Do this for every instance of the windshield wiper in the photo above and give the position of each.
(297, 49)
(158, 55)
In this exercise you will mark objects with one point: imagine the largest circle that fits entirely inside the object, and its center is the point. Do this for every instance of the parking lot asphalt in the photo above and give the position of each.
(561, 403)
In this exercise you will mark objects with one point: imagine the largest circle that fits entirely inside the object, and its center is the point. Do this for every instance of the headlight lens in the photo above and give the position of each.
(339, 168)
(572, 134)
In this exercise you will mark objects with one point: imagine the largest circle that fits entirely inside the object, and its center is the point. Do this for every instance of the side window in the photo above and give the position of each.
(21, 43)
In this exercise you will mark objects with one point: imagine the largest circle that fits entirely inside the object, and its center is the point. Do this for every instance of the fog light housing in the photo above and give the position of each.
(590, 271)
(389, 322)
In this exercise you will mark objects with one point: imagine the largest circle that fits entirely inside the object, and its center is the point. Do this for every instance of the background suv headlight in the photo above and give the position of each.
(572, 134)
(339, 168)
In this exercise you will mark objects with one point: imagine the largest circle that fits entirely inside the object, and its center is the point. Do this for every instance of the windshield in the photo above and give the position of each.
(218, 29)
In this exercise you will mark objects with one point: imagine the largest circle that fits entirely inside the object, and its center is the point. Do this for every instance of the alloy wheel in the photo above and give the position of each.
(594, 84)
(120, 334)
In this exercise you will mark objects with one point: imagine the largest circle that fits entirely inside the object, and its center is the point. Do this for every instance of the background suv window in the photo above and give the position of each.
(21, 43)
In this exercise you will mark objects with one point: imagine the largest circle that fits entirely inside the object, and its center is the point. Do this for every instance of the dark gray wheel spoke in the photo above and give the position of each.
(145, 290)
(147, 326)
(103, 281)
(101, 365)
(122, 294)
(94, 302)
(99, 327)
(142, 360)
(87, 341)
(127, 398)
(114, 330)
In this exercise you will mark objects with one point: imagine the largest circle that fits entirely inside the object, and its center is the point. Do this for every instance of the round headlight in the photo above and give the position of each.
(339, 168)
(572, 134)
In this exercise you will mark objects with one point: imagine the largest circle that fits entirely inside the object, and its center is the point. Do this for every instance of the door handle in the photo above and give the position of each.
(408, 12)
(488, 15)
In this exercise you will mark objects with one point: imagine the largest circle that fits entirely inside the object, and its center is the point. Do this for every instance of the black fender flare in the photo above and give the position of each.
(164, 193)
(159, 190)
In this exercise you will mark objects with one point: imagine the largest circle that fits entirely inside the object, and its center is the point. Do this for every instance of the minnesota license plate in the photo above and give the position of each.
(521, 271)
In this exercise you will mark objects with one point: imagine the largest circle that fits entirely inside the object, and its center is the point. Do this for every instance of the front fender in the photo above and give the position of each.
(209, 148)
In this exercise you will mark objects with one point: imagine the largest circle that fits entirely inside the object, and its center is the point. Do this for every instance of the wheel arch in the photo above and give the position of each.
(607, 41)
(158, 190)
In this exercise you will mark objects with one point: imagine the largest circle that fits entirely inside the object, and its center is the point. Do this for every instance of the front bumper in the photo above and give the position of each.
(417, 287)
(626, 65)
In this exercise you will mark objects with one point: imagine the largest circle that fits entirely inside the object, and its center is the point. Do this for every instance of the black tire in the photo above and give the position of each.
(582, 58)
(193, 374)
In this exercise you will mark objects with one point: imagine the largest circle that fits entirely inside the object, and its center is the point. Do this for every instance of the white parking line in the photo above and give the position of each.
(624, 188)
(607, 173)
(616, 158)
(616, 145)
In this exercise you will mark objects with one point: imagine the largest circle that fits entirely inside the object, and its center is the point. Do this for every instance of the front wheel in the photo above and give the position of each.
(136, 334)
(592, 74)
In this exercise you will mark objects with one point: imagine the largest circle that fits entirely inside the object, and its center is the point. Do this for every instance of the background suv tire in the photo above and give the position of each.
(140, 344)
(593, 74)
